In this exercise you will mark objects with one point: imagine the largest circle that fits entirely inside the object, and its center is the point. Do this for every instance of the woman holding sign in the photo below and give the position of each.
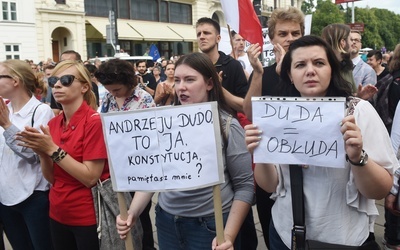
(73, 157)
(124, 94)
(339, 203)
(185, 219)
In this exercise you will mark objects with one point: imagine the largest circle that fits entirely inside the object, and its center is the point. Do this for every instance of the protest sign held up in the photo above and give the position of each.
(165, 148)
(300, 130)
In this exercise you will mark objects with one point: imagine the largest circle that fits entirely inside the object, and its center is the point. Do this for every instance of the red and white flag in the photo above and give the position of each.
(242, 18)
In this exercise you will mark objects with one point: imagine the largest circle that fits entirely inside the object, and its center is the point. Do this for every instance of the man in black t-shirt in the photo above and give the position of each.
(146, 80)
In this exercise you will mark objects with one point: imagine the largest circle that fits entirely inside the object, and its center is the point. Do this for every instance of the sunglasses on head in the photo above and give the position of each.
(65, 80)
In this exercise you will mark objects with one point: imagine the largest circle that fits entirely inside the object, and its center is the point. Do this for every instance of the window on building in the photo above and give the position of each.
(144, 10)
(164, 12)
(124, 7)
(61, 1)
(99, 8)
(12, 51)
(149, 10)
(180, 13)
(9, 11)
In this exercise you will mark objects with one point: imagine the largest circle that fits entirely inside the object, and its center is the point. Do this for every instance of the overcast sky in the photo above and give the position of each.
(392, 5)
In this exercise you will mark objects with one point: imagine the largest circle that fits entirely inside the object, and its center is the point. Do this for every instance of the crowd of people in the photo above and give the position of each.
(52, 155)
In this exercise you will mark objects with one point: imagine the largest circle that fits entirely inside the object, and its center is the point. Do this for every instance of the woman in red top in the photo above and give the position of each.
(73, 157)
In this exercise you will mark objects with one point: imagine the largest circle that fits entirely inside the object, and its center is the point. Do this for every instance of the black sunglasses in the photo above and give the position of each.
(66, 80)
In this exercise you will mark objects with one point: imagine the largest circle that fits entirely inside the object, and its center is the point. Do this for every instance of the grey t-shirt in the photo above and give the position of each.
(238, 185)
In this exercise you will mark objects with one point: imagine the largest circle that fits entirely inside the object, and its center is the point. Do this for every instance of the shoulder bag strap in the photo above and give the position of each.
(33, 115)
(299, 229)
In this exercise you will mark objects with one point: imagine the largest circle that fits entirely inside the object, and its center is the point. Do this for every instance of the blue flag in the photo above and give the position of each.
(154, 52)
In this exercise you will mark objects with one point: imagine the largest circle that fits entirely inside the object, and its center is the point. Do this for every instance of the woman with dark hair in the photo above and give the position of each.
(311, 69)
(338, 86)
(185, 219)
(24, 196)
(124, 94)
(73, 157)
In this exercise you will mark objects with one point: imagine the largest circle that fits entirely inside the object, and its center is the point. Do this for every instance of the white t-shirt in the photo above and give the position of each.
(20, 171)
(335, 211)
(244, 61)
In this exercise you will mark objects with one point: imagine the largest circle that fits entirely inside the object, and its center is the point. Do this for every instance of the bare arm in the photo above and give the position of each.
(138, 204)
(47, 168)
(159, 93)
(265, 174)
(233, 101)
(87, 172)
(255, 88)
(237, 214)
(371, 173)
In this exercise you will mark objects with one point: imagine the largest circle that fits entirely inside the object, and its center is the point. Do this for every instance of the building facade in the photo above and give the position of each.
(41, 29)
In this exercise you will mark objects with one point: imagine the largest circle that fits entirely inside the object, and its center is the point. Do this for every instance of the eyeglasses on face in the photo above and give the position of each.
(65, 80)
(6, 76)
(356, 40)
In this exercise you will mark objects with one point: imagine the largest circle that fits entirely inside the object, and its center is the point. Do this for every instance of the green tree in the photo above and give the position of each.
(307, 7)
(388, 27)
(325, 13)
(371, 37)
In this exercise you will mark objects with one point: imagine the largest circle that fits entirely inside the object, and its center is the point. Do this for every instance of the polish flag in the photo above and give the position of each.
(242, 18)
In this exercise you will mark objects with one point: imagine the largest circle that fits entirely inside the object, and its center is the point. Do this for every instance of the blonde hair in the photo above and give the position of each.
(333, 35)
(83, 76)
(290, 14)
(21, 70)
(42, 86)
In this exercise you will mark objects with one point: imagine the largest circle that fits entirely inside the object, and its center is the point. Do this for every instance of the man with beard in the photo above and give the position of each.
(362, 72)
(146, 80)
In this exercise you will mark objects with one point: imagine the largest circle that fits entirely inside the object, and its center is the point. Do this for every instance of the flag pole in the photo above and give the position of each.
(231, 41)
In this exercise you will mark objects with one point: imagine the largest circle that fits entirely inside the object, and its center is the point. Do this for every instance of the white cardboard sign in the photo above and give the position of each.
(164, 148)
(300, 130)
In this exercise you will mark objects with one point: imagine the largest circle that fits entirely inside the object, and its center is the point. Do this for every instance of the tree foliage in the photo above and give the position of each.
(307, 6)
(381, 26)
(325, 13)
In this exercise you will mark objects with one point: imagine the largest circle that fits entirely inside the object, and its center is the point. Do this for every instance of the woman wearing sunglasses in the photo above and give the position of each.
(73, 157)
(24, 200)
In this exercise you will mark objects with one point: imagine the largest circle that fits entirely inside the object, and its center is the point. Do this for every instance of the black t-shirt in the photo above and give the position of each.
(233, 77)
(150, 80)
(382, 74)
(270, 81)
(394, 93)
